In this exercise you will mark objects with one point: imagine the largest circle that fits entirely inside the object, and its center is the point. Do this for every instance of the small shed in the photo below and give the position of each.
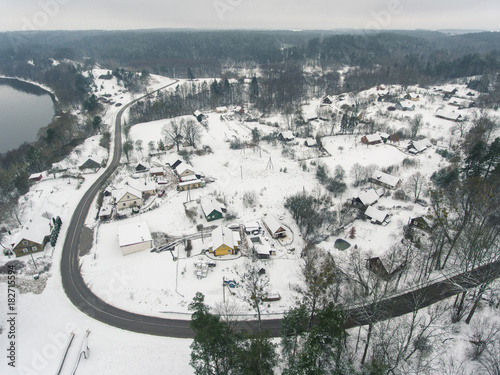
(252, 227)
(221, 109)
(134, 237)
(421, 223)
(105, 212)
(35, 176)
(276, 230)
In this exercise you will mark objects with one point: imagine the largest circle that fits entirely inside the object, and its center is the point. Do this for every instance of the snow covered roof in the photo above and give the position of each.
(133, 233)
(222, 236)
(373, 138)
(252, 225)
(209, 205)
(311, 142)
(368, 197)
(34, 230)
(376, 214)
(183, 167)
(189, 182)
(106, 210)
(173, 160)
(287, 135)
(140, 184)
(383, 135)
(385, 178)
(421, 145)
(119, 193)
(273, 224)
(197, 113)
(156, 170)
(448, 115)
(35, 176)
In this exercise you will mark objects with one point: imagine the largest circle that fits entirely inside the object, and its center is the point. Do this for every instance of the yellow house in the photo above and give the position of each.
(224, 241)
(127, 197)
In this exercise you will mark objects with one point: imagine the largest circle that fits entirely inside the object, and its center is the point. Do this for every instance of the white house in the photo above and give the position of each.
(448, 115)
(134, 237)
(369, 197)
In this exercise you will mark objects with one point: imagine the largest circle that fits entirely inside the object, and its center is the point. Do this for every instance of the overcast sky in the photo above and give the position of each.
(259, 14)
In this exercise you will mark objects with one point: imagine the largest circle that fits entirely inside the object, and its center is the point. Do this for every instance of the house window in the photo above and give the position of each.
(25, 250)
(228, 250)
(25, 242)
(124, 204)
(34, 248)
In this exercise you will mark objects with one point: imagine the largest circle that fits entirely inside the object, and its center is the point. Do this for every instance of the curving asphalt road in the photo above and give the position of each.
(83, 298)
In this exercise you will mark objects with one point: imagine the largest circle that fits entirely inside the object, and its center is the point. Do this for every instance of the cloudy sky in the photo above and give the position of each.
(259, 14)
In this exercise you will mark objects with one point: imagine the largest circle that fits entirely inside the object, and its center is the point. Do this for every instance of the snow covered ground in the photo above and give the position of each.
(155, 283)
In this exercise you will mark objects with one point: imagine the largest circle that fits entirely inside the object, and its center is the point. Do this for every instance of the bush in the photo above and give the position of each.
(400, 195)
(250, 199)
(236, 144)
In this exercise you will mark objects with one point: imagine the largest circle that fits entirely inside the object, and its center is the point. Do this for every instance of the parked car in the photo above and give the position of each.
(161, 193)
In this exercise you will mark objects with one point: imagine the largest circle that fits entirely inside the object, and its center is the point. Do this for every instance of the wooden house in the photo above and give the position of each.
(33, 237)
(127, 197)
(402, 107)
(224, 241)
(211, 209)
(221, 110)
(286, 136)
(420, 223)
(376, 216)
(141, 167)
(371, 139)
(91, 164)
(385, 266)
(416, 147)
(385, 180)
(157, 171)
(368, 197)
(190, 185)
(274, 227)
(199, 116)
(184, 170)
(448, 115)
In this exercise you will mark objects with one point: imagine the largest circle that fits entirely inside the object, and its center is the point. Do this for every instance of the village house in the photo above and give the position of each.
(368, 197)
(127, 197)
(33, 237)
(105, 212)
(274, 227)
(261, 250)
(141, 167)
(447, 115)
(421, 223)
(286, 136)
(416, 147)
(385, 266)
(221, 110)
(157, 171)
(184, 171)
(224, 241)
(173, 161)
(134, 237)
(461, 103)
(199, 116)
(376, 216)
(190, 184)
(90, 163)
(371, 139)
(211, 209)
(402, 107)
(311, 142)
(146, 186)
(252, 227)
(326, 101)
(385, 180)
